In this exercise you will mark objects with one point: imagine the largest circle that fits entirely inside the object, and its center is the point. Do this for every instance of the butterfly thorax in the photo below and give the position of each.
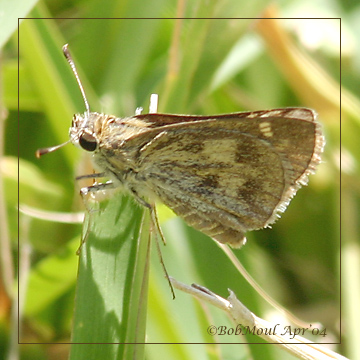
(106, 137)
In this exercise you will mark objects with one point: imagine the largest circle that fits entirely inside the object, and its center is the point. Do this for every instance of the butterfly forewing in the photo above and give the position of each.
(224, 175)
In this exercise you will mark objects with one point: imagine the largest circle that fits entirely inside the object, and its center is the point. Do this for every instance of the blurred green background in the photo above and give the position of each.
(197, 66)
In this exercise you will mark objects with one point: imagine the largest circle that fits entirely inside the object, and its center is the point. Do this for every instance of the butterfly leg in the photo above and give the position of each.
(84, 192)
(90, 176)
(96, 187)
(159, 234)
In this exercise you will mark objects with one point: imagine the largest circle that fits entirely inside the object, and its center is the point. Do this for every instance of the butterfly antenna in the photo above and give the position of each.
(70, 60)
(43, 151)
(73, 68)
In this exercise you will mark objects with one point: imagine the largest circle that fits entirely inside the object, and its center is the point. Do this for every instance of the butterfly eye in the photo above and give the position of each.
(87, 142)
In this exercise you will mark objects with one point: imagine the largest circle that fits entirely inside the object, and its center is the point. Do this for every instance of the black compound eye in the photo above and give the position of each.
(87, 142)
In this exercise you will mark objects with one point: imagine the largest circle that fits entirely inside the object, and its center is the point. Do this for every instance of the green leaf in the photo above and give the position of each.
(111, 296)
(10, 12)
(51, 278)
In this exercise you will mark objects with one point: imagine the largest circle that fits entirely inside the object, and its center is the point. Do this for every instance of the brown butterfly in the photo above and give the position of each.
(223, 174)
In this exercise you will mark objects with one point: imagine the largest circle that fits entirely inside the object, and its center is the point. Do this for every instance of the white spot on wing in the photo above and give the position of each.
(265, 128)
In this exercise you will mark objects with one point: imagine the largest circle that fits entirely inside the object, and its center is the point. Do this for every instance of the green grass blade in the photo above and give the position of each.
(111, 296)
